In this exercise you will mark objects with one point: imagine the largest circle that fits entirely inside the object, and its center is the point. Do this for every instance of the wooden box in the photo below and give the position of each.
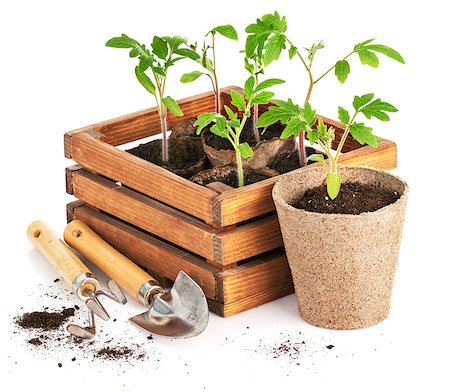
(227, 239)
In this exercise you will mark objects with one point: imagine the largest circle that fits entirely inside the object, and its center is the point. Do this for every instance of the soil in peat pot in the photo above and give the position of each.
(247, 135)
(184, 153)
(354, 198)
(289, 161)
(228, 176)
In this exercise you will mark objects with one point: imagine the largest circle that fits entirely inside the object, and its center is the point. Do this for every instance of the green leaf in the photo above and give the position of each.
(344, 116)
(175, 41)
(293, 127)
(341, 70)
(368, 57)
(248, 66)
(159, 47)
(377, 109)
(387, 51)
(267, 118)
(122, 42)
(262, 98)
(190, 77)
(268, 83)
(227, 31)
(363, 134)
(238, 100)
(203, 120)
(313, 136)
(249, 86)
(322, 129)
(218, 130)
(309, 114)
(317, 158)
(232, 115)
(333, 185)
(359, 102)
(245, 150)
(361, 45)
(145, 81)
(144, 63)
(189, 53)
(250, 45)
(292, 52)
(172, 105)
(273, 48)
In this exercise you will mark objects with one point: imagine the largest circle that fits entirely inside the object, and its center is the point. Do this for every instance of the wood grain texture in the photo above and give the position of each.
(253, 200)
(145, 123)
(57, 253)
(252, 284)
(266, 273)
(222, 248)
(144, 212)
(248, 240)
(146, 250)
(143, 176)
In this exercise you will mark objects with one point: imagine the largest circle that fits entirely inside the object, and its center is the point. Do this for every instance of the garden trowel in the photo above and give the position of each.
(180, 312)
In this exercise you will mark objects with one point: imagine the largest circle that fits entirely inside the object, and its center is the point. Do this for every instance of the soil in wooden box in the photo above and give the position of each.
(186, 155)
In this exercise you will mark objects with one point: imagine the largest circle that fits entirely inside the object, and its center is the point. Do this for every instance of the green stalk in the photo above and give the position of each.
(256, 114)
(240, 168)
(214, 72)
(329, 70)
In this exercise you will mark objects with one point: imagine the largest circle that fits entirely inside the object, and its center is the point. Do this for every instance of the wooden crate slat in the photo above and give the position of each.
(383, 157)
(267, 275)
(238, 205)
(224, 247)
(144, 212)
(145, 249)
(248, 240)
(141, 175)
(145, 123)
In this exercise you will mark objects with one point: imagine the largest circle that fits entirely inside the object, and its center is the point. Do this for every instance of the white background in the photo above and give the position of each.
(57, 75)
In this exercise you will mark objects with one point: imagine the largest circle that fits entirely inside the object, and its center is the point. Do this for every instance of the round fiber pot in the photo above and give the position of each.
(264, 152)
(342, 265)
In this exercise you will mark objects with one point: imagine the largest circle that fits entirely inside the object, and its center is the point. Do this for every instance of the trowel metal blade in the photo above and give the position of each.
(97, 308)
(117, 291)
(80, 332)
(181, 312)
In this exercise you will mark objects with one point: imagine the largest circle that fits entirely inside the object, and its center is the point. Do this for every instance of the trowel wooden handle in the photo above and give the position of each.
(113, 263)
(65, 262)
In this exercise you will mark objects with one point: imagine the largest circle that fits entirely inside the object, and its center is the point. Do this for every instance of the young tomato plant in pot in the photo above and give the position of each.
(342, 241)
(231, 127)
(152, 71)
(268, 35)
(297, 118)
(209, 63)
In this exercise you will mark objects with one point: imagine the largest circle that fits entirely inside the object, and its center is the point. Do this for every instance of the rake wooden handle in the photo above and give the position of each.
(65, 262)
(113, 263)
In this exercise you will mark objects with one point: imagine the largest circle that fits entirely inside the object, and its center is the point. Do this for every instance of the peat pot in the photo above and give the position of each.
(342, 265)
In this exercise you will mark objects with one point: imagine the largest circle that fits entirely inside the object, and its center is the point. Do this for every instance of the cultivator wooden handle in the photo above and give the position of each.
(128, 275)
(65, 262)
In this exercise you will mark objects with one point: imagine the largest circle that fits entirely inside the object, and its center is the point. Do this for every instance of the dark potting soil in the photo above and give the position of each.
(231, 179)
(45, 321)
(289, 161)
(354, 198)
(183, 153)
(247, 135)
(112, 353)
